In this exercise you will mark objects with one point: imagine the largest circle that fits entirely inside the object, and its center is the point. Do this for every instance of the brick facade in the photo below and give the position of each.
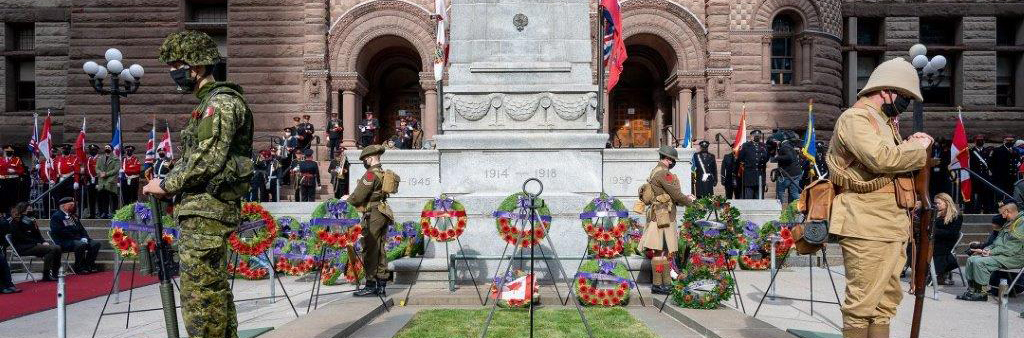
(316, 57)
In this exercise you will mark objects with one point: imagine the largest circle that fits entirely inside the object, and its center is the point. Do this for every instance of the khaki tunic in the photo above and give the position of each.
(865, 154)
(377, 215)
(668, 194)
(864, 148)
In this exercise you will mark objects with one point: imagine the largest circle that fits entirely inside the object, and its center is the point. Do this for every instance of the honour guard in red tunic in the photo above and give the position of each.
(131, 171)
(11, 172)
(69, 169)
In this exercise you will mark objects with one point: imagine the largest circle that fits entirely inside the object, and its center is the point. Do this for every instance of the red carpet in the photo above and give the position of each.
(42, 296)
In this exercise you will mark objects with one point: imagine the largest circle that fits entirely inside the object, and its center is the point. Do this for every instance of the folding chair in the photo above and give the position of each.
(959, 271)
(24, 266)
(67, 256)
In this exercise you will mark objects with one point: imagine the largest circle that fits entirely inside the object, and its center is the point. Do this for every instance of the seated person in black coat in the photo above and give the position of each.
(67, 230)
(28, 241)
(6, 284)
(948, 222)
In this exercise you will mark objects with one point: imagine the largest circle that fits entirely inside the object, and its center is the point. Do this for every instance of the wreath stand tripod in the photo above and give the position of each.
(736, 296)
(445, 217)
(810, 278)
(251, 229)
(314, 294)
(533, 203)
(605, 215)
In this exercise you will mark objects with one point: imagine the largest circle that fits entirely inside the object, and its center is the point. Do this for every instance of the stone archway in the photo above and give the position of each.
(674, 45)
(368, 41)
(638, 103)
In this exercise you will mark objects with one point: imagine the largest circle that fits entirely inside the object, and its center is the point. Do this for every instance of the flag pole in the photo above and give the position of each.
(600, 67)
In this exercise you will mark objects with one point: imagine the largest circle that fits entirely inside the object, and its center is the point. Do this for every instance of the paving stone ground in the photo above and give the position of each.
(943, 318)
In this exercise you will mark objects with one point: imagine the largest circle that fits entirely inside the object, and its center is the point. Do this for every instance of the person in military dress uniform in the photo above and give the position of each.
(729, 177)
(91, 178)
(210, 179)
(11, 172)
(866, 157)
(788, 176)
(131, 173)
(308, 177)
(107, 167)
(334, 134)
(661, 195)
(369, 197)
(705, 171)
(751, 161)
(69, 170)
(305, 132)
(368, 129)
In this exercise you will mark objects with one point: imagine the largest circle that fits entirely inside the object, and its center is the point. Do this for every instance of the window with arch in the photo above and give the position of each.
(785, 27)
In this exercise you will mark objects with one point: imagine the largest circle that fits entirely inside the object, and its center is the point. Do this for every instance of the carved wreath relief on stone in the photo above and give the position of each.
(521, 107)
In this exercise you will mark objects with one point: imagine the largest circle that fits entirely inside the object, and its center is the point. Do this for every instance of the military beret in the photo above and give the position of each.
(65, 200)
(372, 150)
(703, 143)
(93, 146)
(1009, 201)
(129, 147)
(979, 137)
(755, 132)
(308, 152)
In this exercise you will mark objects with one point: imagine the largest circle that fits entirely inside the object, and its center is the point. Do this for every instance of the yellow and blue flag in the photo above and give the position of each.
(810, 148)
(688, 134)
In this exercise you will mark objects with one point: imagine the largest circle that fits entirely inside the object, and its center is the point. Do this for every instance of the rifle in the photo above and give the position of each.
(165, 266)
(923, 252)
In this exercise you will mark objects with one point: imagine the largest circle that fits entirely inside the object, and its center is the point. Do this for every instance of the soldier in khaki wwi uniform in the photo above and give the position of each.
(661, 195)
(867, 157)
(371, 197)
(210, 179)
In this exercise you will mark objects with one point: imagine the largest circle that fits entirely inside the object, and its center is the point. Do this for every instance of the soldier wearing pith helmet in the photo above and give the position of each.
(869, 163)
(370, 197)
(210, 179)
(661, 194)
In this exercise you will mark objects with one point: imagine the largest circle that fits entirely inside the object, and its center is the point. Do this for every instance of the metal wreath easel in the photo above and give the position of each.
(532, 204)
(604, 216)
(810, 277)
(314, 293)
(445, 218)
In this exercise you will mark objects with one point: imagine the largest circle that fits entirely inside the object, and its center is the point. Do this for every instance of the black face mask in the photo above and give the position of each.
(897, 107)
(66, 152)
(671, 164)
(185, 83)
(366, 165)
(106, 151)
(9, 153)
(93, 152)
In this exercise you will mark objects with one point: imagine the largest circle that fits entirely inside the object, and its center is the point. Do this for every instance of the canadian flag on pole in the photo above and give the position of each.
(44, 139)
(741, 133)
(520, 289)
(961, 157)
(165, 144)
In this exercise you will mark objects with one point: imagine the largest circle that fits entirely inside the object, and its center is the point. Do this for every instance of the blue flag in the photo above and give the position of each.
(810, 148)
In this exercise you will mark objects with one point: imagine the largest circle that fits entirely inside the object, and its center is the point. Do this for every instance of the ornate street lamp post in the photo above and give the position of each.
(931, 72)
(118, 74)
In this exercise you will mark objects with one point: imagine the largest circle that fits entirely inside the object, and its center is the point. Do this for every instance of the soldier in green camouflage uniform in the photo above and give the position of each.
(370, 198)
(210, 180)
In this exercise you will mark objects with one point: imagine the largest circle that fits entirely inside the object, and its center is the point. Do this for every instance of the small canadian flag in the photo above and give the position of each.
(520, 289)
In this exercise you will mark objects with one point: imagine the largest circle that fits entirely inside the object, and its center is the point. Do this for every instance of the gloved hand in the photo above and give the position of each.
(85, 240)
(75, 185)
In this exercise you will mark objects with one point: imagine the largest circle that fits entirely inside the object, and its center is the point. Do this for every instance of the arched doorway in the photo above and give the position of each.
(391, 67)
(638, 103)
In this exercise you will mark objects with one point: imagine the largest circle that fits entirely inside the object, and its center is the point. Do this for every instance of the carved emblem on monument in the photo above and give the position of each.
(520, 21)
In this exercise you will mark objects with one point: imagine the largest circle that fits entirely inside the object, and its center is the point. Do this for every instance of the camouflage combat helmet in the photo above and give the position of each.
(192, 47)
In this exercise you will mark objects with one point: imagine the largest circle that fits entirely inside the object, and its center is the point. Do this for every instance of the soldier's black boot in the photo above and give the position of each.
(367, 291)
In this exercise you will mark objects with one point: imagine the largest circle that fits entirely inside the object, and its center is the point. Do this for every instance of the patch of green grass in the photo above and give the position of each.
(508, 323)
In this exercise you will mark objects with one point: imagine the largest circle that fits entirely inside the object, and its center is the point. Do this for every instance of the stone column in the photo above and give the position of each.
(606, 117)
(766, 57)
(699, 115)
(851, 62)
(685, 102)
(1018, 78)
(429, 122)
(806, 59)
(348, 118)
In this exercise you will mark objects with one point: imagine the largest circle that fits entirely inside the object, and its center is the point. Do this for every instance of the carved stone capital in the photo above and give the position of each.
(350, 81)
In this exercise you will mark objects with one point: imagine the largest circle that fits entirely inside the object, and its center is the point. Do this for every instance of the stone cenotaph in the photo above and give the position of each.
(520, 102)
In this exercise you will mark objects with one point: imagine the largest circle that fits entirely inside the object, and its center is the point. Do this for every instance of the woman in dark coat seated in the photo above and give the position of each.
(947, 224)
(28, 241)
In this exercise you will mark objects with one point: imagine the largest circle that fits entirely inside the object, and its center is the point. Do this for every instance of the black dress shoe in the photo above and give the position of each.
(48, 278)
(367, 291)
(972, 296)
(10, 290)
